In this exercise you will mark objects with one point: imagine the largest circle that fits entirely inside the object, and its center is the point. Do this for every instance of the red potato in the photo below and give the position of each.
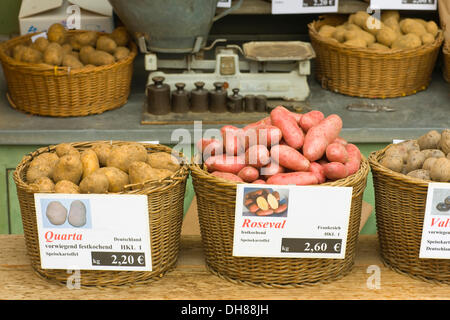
(318, 170)
(267, 212)
(282, 208)
(336, 152)
(271, 169)
(294, 178)
(209, 147)
(253, 208)
(341, 140)
(257, 156)
(265, 134)
(289, 158)
(224, 163)
(335, 170)
(354, 158)
(227, 176)
(320, 136)
(265, 121)
(292, 133)
(259, 181)
(231, 140)
(297, 117)
(311, 119)
(249, 174)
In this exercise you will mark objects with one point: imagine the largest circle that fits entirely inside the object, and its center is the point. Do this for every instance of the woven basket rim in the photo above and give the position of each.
(362, 173)
(392, 53)
(58, 70)
(375, 165)
(140, 188)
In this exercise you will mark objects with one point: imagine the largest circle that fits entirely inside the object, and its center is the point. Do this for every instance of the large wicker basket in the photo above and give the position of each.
(165, 207)
(216, 200)
(362, 72)
(44, 90)
(446, 53)
(399, 208)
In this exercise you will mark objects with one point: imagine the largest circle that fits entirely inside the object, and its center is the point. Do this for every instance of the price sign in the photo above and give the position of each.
(303, 6)
(291, 221)
(404, 4)
(93, 232)
(435, 242)
(224, 4)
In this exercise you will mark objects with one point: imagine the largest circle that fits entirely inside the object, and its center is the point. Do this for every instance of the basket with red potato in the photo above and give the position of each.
(285, 148)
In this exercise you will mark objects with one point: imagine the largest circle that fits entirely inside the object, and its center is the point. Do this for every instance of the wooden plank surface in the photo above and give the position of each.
(190, 280)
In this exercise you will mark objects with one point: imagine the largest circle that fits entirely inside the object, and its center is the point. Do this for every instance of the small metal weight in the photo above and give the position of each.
(218, 98)
(158, 97)
(199, 98)
(180, 99)
(236, 102)
(261, 103)
(250, 103)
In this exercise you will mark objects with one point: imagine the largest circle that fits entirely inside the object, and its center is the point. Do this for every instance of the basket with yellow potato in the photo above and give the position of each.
(110, 168)
(362, 56)
(68, 73)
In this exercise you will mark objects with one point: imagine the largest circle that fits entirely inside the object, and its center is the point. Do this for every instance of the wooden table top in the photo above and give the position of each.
(190, 280)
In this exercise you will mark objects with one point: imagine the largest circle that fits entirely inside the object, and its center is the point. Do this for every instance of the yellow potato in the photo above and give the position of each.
(31, 55)
(444, 144)
(90, 162)
(393, 162)
(432, 28)
(72, 62)
(390, 14)
(338, 34)
(43, 185)
(53, 55)
(120, 36)
(359, 18)
(326, 31)
(40, 44)
(408, 41)
(103, 150)
(100, 58)
(57, 33)
(105, 43)
(88, 38)
(163, 160)
(358, 42)
(373, 25)
(393, 24)
(429, 140)
(96, 183)
(412, 26)
(117, 179)
(68, 167)
(386, 36)
(121, 53)
(18, 52)
(123, 156)
(427, 38)
(84, 54)
(440, 172)
(67, 187)
(41, 166)
(414, 161)
(420, 174)
(141, 172)
(378, 46)
(63, 149)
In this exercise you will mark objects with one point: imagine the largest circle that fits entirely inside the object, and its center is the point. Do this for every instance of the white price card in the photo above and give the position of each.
(93, 232)
(304, 6)
(435, 242)
(291, 221)
(224, 4)
(404, 4)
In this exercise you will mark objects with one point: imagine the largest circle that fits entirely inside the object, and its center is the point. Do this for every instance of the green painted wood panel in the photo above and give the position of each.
(9, 12)
(4, 219)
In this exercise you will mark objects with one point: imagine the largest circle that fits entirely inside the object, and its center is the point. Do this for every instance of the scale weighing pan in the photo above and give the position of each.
(278, 51)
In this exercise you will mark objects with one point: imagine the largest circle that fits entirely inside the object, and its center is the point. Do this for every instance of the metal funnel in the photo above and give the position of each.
(171, 26)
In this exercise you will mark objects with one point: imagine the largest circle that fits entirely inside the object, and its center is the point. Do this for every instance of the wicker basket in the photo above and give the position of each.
(216, 210)
(165, 206)
(446, 52)
(361, 72)
(399, 208)
(43, 90)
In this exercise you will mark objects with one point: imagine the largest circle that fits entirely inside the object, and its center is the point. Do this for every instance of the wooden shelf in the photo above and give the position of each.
(265, 7)
(190, 280)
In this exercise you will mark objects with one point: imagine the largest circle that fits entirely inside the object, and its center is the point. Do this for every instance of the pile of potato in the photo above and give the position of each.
(393, 32)
(426, 158)
(264, 202)
(285, 148)
(78, 50)
(102, 168)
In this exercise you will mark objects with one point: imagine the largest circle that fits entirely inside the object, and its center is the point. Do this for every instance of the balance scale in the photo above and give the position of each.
(277, 70)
